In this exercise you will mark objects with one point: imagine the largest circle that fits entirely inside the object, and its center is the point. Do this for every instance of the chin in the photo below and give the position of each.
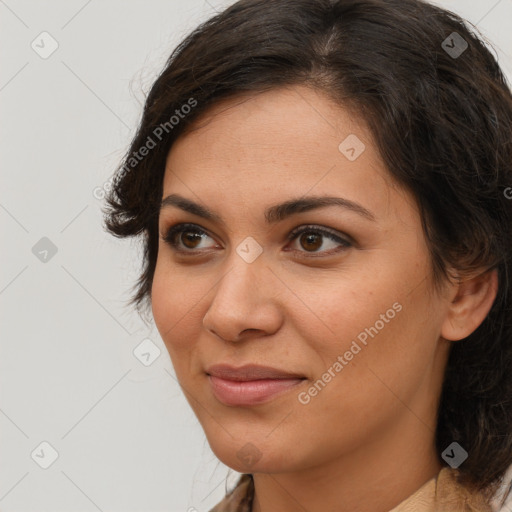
(253, 456)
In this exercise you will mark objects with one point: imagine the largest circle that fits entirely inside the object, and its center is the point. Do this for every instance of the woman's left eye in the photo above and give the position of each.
(186, 238)
(311, 237)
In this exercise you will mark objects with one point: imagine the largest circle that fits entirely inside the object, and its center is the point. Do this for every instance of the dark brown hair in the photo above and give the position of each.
(442, 122)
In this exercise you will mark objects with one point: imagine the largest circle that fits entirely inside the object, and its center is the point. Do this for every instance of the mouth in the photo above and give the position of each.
(250, 384)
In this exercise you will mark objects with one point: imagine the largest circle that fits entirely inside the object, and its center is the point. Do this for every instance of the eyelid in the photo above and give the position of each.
(345, 241)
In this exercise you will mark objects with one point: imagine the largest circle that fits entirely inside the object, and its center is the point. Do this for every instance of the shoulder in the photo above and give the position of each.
(445, 493)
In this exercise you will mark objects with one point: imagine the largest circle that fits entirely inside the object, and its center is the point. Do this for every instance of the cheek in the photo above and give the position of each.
(371, 326)
(345, 310)
(176, 309)
(163, 300)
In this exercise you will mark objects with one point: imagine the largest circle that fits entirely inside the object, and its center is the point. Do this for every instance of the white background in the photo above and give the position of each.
(126, 437)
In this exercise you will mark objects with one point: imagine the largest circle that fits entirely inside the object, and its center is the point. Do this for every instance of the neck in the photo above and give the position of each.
(376, 476)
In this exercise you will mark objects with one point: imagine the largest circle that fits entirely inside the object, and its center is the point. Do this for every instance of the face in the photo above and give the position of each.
(339, 295)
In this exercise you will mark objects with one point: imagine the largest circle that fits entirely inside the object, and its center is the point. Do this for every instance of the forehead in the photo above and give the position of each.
(288, 142)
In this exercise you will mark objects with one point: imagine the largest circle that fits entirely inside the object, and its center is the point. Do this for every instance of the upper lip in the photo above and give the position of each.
(250, 372)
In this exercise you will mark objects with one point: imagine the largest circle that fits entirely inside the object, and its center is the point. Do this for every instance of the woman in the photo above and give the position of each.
(322, 188)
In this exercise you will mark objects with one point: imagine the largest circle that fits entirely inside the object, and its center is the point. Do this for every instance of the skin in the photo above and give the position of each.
(298, 308)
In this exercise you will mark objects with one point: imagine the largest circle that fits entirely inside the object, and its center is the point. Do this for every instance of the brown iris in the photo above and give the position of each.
(311, 238)
(189, 237)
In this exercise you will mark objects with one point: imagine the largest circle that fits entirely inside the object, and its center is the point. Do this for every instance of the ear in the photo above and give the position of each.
(471, 302)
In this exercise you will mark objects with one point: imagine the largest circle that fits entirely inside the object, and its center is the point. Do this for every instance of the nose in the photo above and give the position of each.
(244, 302)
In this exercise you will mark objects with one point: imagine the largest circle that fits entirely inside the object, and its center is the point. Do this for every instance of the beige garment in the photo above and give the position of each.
(440, 494)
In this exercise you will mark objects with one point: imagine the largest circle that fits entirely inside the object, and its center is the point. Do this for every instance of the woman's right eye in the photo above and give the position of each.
(193, 236)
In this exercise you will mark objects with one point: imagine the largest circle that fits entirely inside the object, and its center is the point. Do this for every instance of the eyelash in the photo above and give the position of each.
(177, 229)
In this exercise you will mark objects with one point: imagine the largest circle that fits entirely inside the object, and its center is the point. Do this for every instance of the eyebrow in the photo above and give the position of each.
(275, 213)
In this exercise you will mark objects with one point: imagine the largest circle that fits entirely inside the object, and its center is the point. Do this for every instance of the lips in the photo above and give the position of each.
(251, 384)
(250, 372)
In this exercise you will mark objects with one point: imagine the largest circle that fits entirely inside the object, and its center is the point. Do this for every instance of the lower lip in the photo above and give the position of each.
(252, 392)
